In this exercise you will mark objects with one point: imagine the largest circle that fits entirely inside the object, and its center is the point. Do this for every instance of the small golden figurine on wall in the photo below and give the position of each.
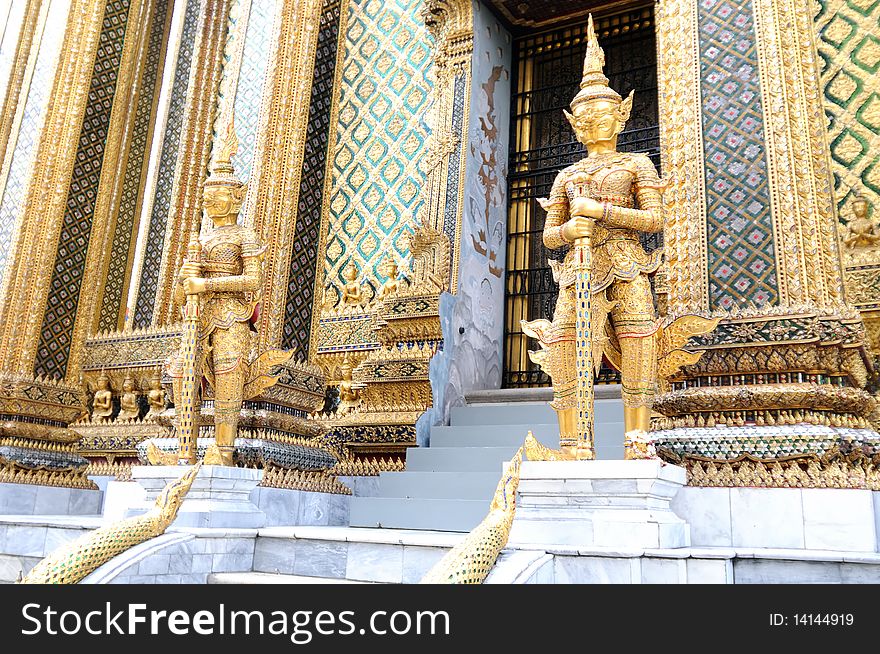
(156, 396)
(351, 292)
(102, 403)
(391, 285)
(227, 277)
(349, 392)
(860, 230)
(128, 402)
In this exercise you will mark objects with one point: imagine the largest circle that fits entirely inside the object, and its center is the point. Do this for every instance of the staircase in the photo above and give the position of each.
(448, 486)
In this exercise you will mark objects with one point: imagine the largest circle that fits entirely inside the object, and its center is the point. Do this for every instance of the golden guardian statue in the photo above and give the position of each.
(218, 285)
(598, 206)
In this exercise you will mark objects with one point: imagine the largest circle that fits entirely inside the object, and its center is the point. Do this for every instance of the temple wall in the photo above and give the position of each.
(380, 129)
(473, 319)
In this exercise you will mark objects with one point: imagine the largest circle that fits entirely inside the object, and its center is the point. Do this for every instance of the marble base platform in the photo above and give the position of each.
(616, 504)
(33, 499)
(218, 498)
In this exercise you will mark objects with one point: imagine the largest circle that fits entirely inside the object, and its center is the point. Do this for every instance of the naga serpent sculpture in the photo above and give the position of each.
(73, 561)
(472, 559)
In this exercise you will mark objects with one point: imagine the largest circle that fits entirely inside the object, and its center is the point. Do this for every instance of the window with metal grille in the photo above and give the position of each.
(547, 73)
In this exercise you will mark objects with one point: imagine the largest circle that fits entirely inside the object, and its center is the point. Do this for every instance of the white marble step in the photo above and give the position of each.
(515, 413)
(417, 513)
(439, 485)
(492, 435)
(377, 555)
(460, 459)
(606, 434)
(253, 578)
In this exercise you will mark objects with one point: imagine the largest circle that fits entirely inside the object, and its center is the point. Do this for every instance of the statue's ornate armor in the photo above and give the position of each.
(630, 186)
(231, 266)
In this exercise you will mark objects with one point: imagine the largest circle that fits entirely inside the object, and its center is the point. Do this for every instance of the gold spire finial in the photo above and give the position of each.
(222, 172)
(594, 84)
(594, 60)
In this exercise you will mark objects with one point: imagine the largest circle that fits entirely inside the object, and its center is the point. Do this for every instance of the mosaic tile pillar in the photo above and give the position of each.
(56, 214)
(751, 233)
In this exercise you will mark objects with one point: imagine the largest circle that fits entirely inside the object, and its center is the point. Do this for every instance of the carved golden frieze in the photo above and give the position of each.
(797, 473)
(317, 482)
(139, 348)
(367, 467)
(64, 479)
(809, 396)
(25, 397)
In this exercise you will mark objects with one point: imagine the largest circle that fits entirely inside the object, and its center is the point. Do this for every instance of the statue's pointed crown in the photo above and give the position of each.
(594, 84)
(221, 172)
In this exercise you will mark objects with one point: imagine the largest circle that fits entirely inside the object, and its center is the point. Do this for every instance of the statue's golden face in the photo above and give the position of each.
(219, 202)
(860, 208)
(350, 273)
(596, 122)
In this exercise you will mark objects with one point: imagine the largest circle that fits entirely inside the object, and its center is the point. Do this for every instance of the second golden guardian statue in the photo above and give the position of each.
(598, 206)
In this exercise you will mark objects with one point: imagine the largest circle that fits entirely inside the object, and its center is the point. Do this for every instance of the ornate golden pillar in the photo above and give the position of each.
(58, 249)
(195, 142)
(751, 237)
(288, 169)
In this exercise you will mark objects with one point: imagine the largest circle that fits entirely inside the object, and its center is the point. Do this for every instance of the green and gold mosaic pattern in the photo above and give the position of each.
(848, 39)
(380, 135)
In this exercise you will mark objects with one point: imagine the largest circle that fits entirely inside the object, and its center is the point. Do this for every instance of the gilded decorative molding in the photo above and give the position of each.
(451, 23)
(681, 136)
(859, 468)
(139, 348)
(796, 401)
(192, 161)
(367, 467)
(316, 482)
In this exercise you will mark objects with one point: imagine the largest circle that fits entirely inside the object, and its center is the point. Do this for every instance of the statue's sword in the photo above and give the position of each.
(187, 430)
(583, 335)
